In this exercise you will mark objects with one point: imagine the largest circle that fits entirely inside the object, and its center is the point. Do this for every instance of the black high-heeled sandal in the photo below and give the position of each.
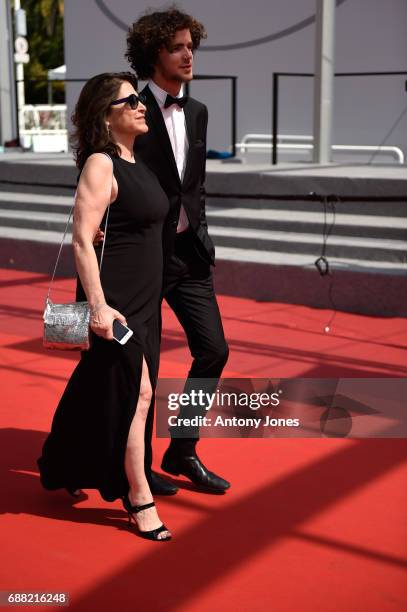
(149, 535)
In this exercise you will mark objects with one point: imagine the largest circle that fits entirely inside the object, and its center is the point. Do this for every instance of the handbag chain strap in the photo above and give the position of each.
(62, 244)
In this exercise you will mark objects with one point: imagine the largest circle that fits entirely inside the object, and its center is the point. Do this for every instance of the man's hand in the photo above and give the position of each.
(98, 238)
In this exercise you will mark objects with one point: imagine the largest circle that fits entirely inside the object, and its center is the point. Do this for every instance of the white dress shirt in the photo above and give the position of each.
(174, 120)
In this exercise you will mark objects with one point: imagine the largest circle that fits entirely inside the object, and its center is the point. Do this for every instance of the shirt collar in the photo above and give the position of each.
(160, 94)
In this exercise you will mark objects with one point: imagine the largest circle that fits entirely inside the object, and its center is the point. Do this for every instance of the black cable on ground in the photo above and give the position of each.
(322, 262)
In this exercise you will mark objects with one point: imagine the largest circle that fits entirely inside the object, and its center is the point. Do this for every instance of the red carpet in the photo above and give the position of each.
(307, 525)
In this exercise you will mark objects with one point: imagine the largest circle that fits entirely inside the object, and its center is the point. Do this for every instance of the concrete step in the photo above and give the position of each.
(51, 221)
(307, 261)
(373, 257)
(368, 287)
(36, 202)
(398, 209)
(274, 258)
(36, 189)
(372, 249)
(57, 174)
(372, 226)
(266, 246)
(256, 189)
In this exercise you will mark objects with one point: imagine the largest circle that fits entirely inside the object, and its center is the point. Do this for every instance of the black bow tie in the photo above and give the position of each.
(169, 101)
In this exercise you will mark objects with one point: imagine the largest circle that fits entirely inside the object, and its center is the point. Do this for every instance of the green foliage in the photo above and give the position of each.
(45, 35)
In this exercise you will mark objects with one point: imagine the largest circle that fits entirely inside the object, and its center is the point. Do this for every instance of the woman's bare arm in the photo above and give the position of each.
(96, 189)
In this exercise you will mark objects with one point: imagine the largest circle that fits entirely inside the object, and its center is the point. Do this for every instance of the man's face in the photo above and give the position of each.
(175, 63)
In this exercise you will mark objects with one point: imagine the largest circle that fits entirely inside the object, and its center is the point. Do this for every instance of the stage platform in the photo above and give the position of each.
(267, 229)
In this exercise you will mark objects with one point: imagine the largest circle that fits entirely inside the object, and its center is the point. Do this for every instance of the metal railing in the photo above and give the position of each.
(275, 97)
(198, 77)
(264, 142)
(233, 115)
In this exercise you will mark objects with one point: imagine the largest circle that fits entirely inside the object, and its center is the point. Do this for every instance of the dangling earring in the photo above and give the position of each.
(108, 129)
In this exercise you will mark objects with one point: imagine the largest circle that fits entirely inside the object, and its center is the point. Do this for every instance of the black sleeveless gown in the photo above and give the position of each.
(87, 443)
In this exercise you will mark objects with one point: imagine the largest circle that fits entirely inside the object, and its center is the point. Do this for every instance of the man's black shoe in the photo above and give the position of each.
(194, 469)
(160, 486)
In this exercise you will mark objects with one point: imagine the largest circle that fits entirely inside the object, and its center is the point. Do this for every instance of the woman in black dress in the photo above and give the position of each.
(97, 436)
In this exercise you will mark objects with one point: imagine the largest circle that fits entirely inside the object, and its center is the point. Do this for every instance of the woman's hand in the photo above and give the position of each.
(101, 320)
(98, 238)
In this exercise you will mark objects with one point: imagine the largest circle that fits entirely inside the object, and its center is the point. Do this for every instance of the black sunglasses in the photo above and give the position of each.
(132, 100)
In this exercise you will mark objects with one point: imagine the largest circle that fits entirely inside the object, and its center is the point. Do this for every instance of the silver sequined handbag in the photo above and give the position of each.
(66, 326)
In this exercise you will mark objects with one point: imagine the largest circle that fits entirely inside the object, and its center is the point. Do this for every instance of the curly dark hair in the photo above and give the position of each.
(152, 32)
(89, 117)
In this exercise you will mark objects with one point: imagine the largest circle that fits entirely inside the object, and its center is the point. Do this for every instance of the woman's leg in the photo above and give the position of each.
(139, 492)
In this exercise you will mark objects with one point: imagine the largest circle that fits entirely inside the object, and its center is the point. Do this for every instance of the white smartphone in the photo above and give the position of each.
(121, 333)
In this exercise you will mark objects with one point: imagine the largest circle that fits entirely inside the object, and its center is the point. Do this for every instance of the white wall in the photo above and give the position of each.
(370, 36)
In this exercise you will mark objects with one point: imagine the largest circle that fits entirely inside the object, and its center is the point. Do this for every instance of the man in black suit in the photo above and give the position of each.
(160, 49)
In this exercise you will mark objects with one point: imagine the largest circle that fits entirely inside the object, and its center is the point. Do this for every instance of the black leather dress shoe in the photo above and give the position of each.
(160, 486)
(194, 469)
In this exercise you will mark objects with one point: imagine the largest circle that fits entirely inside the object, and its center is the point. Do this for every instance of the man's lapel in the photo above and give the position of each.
(190, 129)
(156, 122)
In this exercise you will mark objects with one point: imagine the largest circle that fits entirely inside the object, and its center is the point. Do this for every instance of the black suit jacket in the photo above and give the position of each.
(154, 148)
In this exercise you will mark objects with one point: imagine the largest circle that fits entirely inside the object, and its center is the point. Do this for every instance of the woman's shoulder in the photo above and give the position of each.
(99, 160)
(97, 171)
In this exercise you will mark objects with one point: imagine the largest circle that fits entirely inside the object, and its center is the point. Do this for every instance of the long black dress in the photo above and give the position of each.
(87, 444)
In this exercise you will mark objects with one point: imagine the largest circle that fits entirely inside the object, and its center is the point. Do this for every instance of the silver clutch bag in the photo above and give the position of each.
(66, 326)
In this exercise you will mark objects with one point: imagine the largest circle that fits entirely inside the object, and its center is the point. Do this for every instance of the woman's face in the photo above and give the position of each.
(122, 119)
